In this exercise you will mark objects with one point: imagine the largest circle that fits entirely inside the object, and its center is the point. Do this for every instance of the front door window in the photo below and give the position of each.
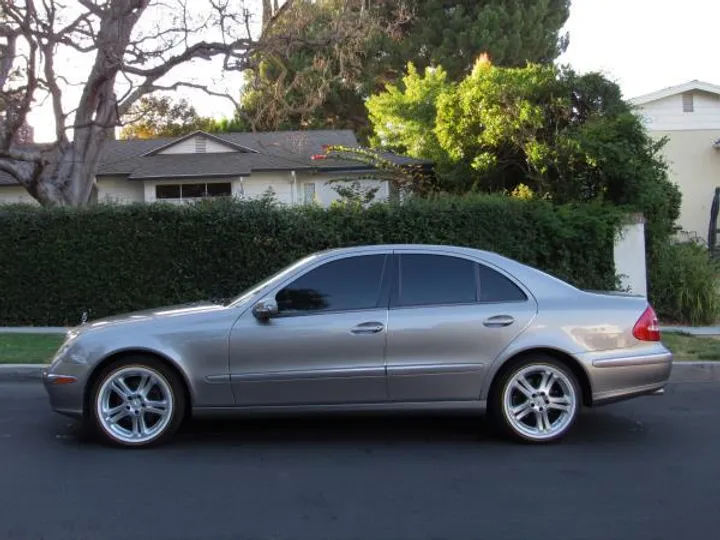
(342, 285)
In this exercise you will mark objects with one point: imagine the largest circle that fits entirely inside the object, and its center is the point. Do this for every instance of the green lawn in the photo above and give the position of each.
(28, 348)
(39, 348)
(687, 347)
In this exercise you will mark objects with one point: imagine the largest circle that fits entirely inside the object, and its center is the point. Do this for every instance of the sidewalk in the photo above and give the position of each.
(33, 330)
(693, 330)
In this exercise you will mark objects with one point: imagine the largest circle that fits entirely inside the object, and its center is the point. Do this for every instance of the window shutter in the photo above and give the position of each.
(688, 102)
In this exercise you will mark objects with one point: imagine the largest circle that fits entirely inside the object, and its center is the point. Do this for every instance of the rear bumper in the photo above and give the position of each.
(618, 378)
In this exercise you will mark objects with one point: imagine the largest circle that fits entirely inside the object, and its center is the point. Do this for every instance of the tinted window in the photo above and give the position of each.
(494, 287)
(167, 191)
(192, 191)
(219, 189)
(351, 283)
(435, 279)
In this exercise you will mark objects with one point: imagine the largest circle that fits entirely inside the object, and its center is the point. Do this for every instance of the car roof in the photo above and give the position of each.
(390, 247)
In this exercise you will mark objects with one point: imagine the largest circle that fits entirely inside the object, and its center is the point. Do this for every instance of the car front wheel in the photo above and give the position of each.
(137, 402)
(536, 401)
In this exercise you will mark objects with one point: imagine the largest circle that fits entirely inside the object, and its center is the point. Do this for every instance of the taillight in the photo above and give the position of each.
(647, 327)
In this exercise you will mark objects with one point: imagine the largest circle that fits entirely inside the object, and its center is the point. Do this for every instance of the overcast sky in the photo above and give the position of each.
(644, 45)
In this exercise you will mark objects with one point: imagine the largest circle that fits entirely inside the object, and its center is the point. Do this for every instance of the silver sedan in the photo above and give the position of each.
(377, 328)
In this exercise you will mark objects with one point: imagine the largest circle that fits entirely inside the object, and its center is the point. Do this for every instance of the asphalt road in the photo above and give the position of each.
(638, 470)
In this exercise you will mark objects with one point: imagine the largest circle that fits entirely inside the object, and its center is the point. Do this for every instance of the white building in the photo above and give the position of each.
(689, 116)
(202, 165)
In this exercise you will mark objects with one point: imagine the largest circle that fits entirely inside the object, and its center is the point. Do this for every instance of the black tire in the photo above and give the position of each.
(165, 375)
(500, 417)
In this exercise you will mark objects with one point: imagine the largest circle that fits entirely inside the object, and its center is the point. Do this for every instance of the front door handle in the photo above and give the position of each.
(498, 321)
(368, 328)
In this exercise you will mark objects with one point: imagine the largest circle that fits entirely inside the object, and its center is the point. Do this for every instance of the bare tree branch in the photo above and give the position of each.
(196, 86)
(17, 154)
(92, 7)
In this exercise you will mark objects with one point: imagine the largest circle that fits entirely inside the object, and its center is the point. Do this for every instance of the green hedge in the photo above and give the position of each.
(112, 259)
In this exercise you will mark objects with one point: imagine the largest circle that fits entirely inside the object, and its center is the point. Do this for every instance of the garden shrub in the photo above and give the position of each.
(684, 284)
(108, 259)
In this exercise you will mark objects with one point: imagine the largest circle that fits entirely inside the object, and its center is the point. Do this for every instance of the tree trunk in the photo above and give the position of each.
(69, 180)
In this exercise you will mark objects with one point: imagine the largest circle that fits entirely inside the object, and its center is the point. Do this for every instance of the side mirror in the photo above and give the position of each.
(265, 308)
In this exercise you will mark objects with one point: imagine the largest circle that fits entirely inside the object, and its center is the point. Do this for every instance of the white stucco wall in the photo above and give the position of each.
(287, 190)
(694, 165)
(15, 194)
(121, 190)
(629, 255)
(255, 186)
(325, 192)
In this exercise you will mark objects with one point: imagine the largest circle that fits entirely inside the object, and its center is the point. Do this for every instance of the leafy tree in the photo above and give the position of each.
(541, 129)
(426, 33)
(289, 91)
(403, 117)
(161, 117)
(454, 33)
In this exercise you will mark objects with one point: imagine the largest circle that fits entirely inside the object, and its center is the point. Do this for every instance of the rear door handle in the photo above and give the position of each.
(368, 328)
(498, 321)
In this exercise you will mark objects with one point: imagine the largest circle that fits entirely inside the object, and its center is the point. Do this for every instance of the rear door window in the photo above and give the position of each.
(425, 280)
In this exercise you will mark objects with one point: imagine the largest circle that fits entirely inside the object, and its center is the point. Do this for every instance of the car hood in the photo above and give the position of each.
(179, 310)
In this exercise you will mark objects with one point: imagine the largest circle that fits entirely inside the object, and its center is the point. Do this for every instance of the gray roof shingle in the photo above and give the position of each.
(276, 151)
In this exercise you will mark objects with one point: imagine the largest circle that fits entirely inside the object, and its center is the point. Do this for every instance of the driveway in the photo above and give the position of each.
(636, 470)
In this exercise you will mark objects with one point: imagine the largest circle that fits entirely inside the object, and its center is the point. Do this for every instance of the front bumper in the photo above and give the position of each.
(623, 377)
(65, 392)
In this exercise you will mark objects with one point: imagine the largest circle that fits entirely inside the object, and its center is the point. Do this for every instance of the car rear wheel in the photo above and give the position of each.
(536, 401)
(137, 402)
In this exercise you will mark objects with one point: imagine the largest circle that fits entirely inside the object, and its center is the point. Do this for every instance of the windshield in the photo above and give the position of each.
(278, 276)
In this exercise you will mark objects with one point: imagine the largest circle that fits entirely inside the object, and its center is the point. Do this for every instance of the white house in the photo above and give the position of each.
(245, 165)
(689, 116)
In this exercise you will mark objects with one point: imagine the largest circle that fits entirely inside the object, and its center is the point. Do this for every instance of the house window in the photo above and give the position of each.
(308, 192)
(193, 191)
(688, 102)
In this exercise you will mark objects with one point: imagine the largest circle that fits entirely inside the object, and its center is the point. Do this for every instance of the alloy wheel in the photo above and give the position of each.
(134, 405)
(539, 402)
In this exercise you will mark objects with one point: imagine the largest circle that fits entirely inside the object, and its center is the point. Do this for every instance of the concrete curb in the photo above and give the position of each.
(21, 372)
(695, 372)
(682, 372)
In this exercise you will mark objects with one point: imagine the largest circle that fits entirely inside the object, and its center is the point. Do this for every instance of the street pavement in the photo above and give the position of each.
(644, 469)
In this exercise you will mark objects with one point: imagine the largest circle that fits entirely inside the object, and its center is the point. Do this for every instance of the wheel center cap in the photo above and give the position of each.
(539, 401)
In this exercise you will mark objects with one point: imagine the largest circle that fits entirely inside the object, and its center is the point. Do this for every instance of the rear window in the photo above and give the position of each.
(494, 287)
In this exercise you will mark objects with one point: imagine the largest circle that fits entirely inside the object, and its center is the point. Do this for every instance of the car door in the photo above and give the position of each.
(326, 345)
(449, 318)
